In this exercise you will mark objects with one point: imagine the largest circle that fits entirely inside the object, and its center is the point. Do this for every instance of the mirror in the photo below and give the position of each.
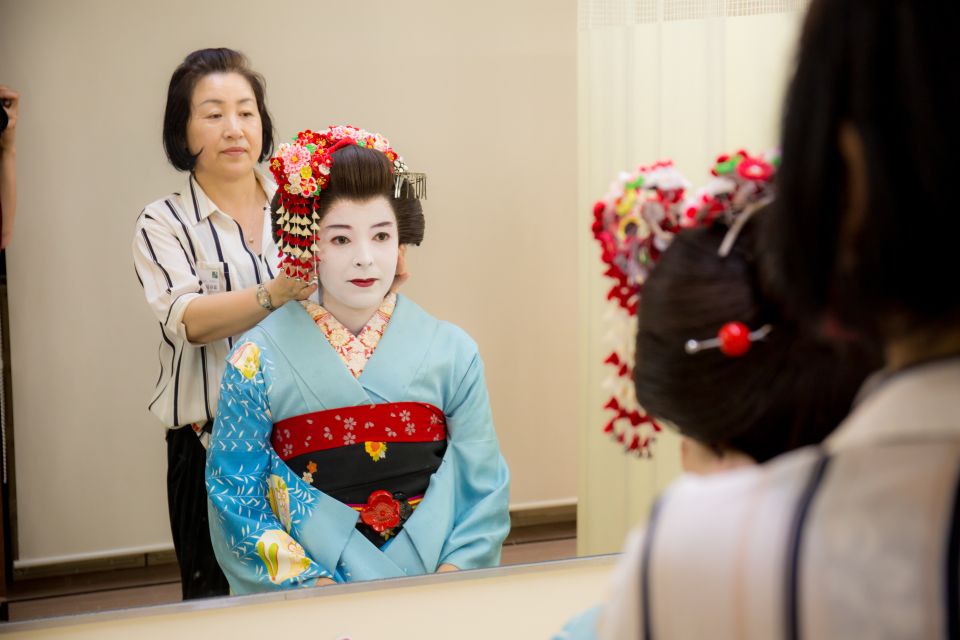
(520, 121)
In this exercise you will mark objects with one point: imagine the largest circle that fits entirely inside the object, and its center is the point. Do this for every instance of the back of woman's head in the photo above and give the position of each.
(882, 72)
(788, 390)
(359, 174)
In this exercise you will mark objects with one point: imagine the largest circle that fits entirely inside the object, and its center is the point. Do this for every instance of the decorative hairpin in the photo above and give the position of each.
(302, 170)
(733, 340)
(634, 223)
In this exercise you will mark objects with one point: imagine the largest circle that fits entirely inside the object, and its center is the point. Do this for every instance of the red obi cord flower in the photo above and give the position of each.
(381, 512)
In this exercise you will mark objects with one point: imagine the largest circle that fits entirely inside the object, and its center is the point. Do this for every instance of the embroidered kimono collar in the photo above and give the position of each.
(354, 350)
(319, 371)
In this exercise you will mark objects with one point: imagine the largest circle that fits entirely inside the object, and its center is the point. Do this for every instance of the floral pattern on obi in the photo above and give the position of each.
(354, 350)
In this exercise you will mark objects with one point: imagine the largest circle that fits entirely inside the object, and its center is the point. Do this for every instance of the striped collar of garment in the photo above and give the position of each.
(200, 206)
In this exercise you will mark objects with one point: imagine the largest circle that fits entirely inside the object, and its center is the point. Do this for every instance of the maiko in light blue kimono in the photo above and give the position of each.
(272, 529)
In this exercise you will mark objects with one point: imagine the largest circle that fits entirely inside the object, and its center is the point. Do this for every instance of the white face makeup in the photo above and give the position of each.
(224, 126)
(358, 256)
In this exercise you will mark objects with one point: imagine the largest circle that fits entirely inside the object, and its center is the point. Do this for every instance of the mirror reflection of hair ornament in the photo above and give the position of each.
(302, 170)
(634, 223)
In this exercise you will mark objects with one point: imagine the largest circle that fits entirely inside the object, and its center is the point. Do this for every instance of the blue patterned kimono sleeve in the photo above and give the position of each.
(482, 482)
(250, 506)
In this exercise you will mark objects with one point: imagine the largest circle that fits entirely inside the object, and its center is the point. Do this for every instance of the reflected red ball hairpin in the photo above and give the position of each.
(733, 340)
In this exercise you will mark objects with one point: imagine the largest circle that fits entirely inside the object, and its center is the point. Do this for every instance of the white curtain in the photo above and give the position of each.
(684, 80)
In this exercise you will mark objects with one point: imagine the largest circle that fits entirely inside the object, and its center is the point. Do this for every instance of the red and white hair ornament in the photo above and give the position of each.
(302, 170)
(634, 224)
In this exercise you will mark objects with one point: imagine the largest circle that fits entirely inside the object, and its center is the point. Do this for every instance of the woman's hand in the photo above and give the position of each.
(219, 315)
(447, 568)
(322, 582)
(283, 289)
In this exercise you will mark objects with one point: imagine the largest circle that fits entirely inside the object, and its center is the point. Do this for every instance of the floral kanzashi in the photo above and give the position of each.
(302, 170)
(376, 450)
(382, 511)
(634, 224)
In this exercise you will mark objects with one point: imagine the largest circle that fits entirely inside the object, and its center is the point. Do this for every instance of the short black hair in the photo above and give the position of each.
(184, 80)
(789, 390)
(359, 174)
(882, 68)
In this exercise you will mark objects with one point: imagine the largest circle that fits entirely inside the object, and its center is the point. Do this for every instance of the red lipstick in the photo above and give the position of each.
(367, 282)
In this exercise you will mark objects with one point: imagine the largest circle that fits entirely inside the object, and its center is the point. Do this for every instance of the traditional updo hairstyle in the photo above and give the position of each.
(789, 390)
(359, 174)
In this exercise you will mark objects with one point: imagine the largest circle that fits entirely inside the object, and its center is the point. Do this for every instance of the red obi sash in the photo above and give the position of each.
(345, 426)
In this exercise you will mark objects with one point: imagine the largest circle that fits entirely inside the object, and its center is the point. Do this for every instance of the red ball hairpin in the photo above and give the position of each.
(733, 340)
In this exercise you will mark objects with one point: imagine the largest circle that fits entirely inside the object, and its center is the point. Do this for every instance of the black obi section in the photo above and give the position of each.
(350, 474)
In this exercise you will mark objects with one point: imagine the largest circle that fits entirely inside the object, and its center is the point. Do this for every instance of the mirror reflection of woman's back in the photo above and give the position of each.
(790, 388)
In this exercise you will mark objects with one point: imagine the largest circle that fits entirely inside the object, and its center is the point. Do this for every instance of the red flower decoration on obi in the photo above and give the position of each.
(381, 512)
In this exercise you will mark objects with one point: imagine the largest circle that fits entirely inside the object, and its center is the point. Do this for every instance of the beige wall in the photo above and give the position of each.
(481, 96)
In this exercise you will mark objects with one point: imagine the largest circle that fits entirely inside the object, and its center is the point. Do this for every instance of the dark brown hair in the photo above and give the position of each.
(791, 389)
(882, 68)
(359, 174)
(184, 80)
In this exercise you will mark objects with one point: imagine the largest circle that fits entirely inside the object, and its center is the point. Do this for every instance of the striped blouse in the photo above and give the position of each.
(859, 538)
(185, 247)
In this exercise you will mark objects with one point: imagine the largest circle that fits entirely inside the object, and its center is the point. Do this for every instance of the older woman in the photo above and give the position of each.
(207, 263)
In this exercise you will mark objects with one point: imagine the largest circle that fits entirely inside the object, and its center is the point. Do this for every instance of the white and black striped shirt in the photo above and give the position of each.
(184, 246)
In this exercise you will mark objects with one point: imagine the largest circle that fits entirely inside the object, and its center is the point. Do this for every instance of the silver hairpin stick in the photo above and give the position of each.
(723, 342)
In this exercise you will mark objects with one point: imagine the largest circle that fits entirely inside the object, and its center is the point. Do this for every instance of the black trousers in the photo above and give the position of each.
(200, 575)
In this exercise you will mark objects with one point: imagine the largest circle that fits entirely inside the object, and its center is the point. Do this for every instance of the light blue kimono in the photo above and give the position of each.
(271, 530)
